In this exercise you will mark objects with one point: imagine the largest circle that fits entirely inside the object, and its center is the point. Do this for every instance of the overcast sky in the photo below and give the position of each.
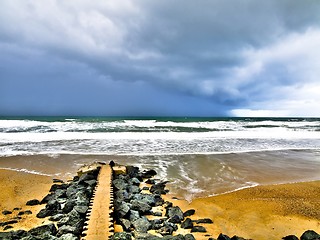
(181, 57)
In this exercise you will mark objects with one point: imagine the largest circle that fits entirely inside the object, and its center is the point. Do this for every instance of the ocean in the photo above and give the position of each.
(199, 156)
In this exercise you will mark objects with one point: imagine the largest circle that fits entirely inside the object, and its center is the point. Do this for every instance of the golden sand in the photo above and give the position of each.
(263, 212)
(16, 188)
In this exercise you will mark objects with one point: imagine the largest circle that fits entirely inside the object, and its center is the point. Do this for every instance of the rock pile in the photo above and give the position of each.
(139, 208)
(65, 205)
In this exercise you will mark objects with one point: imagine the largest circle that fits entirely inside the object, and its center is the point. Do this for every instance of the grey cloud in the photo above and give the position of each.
(182, 48)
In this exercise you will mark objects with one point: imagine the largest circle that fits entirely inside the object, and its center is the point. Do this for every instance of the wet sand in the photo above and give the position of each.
(263, 212)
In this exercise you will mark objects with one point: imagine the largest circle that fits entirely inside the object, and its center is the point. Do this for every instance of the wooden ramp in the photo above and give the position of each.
(100, 222)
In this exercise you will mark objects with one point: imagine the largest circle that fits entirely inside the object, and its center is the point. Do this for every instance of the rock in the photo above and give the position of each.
(56, 217)
(140, 206)
(223, 237)
(69, 205)
(119, 184)
(85, 177)
(122, 209)
(198, 229)
(157, 214)
(121, 236)
(134, 181)
(45, 213)
(81, 209)
(204, 220)
(7, 227)
(289, 237)
(150, 181)
(146, 236)
(44, 229)
(158, 188)
(55, 187)
(310, 235)
(33, 202)
(132, 171)
(27, 212)
(189, 237)
(167, 204)
(134, 215)
(175, 214)
(2, 224)
(6, 212)
(66, 229)
(189, 213)
(126, 224)
(92, 182)
(55, 180)
(47, 198)
(187, 224)
(141, 225)
(166, 230)
(68, 236)
(71, 219)
(145, 188)
(133, 189)
(148, 174)
(146, 198)
(17, 209)
(237, 238)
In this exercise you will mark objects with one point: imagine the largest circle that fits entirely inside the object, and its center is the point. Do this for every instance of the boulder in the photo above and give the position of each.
(122, 209)
(223, 237)
(189, 237)
(142, 224)
(126, 224)
(66, 229)
(310, 235)
(119, 184)
(187, 224)
(148, 174)
(198, 229)
(121, 236)
(68, 236)
(237, 238)
(140, 206)
(134, 215)
(49, 229)
(289, 237)
(175, 214)
(33, 202)
(189, 213)
(204, 220)
(159, 188)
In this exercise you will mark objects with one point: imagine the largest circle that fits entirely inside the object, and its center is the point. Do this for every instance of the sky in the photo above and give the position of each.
(160, 58)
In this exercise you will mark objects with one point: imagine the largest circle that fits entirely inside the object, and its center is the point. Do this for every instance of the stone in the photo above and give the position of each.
(71, 219)
(189, 213)
(159, 188)
(145, 189)
(44, 229)
(198, 229)
(289, 237)
(310, 235)
(187, 224)
(134, 215)
(27, 212)
(142, 224)
(119, 184)
(166, 230)
(133, 189)
(132, 171)
(134, 181)
(69, 205)
(175, 213)
(81, 209)
(2, 224)
(7, 227)
(189, 237)
(238, 238)
(126, 224)
(150, 181)
(47, 198)
(223, 237)
(121, 236)
(6, 212)
(44, 213)
(204, 220)
(146, 198)
(66, 229)
(148, 174)
(140, 206)
(55, 180)
(68, 236)
(122, 209)
(56, 217)
(55, 187)
(33, 202)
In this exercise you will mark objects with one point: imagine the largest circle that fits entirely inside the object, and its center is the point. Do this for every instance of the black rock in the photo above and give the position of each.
(55, 180)
(6, 212)
(133, 189)
(119, 184)
(53, 205)
(81, 209)
(132, 171)
(204, 220)
(140, 206)
(145, 198)
(290, 237)
(126, 224)
(71, 219)
(187, 224)
(189, 213)
(121, 236)
(56, 217)
(157, 214)
(68, 236)
(198, 229)
(122, 209)
(55, 187)
(237, 238)
(33, 202)
(69, 205)
(310, 235)
(145, 188)
(45, 213)
(175, 213)
(66, 229)
(148, 174)
(223, 237)
(165, 230)
(44, 229)
(134, 215)
(150, 181)
(17, 209)
(86, 176)
(189, 237)
(134, 181)
(2, 224)
(48, 198)
(7, 227)
(142, 225)
(27, 212)
(159, 188)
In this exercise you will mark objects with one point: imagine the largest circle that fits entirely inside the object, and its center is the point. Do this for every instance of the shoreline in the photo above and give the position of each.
(260, 212)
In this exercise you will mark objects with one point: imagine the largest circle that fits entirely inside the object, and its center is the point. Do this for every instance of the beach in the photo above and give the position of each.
(261, 212)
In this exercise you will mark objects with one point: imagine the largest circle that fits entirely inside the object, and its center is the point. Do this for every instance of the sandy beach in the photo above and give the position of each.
(263, 212)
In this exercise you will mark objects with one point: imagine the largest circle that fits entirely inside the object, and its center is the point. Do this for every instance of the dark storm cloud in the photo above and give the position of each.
(154, 57)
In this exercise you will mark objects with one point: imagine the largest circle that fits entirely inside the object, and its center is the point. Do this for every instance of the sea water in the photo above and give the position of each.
(199, 156)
